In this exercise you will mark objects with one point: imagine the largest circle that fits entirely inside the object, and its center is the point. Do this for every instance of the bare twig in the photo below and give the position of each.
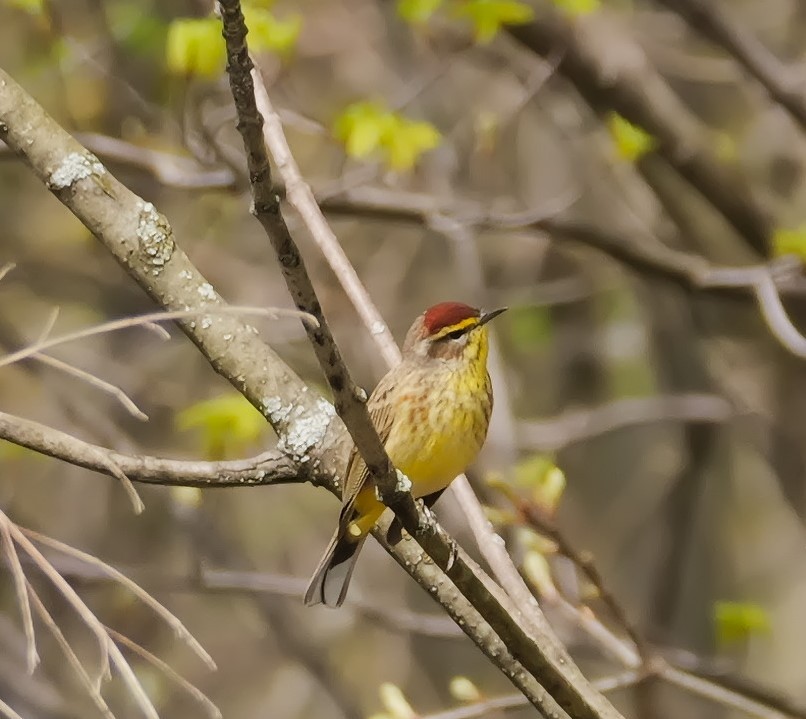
(168, 168)
(6, 268)
(584, 561)
(179, 629)
(91, 687)
(721, 674)
(126, 402)
(109, 652)
(149, 319)
(7, 711)
(717, 694)
(396, 619)
(44, 333)
(760, 279)
(211, 709)
(21, 590)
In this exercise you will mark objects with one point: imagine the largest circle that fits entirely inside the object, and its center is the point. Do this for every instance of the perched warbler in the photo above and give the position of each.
(431, 412)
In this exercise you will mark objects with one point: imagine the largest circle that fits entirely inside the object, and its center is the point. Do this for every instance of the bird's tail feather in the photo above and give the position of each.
(332, 576)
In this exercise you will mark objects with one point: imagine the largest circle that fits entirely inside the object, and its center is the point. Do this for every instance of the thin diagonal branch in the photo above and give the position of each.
(143, 320)
(91, 687)
(126, 402)
(109, 652)
(179, 629)
(566, 689)
(211, 709)
(7, 711)
(21, 590)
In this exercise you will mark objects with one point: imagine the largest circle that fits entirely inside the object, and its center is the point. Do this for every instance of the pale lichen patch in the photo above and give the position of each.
(275, 411)
(301, 429)
(207, 292)
(155, 236)
(403, 482)
(74, 167)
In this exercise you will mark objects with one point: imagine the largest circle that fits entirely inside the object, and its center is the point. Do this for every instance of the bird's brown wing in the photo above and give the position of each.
(380, 412)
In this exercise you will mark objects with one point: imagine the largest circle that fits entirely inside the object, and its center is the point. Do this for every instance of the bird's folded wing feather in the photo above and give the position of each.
(357, 474)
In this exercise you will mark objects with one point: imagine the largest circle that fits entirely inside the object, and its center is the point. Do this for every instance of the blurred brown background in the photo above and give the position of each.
(685, 462)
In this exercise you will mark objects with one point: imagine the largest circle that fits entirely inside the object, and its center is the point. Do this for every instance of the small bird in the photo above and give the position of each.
(431, 412)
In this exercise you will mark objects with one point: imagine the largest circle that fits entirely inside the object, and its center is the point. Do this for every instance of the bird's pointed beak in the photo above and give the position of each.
(487, 316)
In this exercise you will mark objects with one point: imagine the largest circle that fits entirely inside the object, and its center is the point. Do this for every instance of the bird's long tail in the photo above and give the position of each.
(332, 576)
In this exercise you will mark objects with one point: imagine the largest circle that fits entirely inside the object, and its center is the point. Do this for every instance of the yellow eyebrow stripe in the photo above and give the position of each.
(469, 322)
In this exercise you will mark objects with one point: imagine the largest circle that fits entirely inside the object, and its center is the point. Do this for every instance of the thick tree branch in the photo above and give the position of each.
(142, 241)
(268, 468)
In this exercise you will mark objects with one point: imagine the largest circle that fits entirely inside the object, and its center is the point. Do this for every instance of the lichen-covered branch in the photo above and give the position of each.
(142, 241)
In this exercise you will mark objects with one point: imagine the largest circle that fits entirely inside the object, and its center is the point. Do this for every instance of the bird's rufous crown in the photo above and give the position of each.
(448, 314)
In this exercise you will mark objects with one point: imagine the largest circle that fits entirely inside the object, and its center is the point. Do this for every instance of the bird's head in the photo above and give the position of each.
(449, 330)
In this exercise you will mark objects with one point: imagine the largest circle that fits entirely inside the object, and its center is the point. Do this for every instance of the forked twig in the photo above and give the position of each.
(92, 688)
(47, 328)
(109, 650)
(20, 589)
(162, 612)
(211, 709)
(110, 389)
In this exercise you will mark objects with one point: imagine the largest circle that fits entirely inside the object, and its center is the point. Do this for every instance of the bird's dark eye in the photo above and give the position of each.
(456, 334)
